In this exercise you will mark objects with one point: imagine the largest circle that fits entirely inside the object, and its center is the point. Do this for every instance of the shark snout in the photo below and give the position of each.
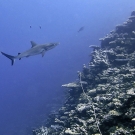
(51, 46)
(57, 43)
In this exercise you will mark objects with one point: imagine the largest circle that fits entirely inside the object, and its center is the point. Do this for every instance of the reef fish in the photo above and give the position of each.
(82, 28)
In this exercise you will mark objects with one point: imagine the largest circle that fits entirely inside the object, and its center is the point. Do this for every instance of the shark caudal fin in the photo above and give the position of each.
(12, 58)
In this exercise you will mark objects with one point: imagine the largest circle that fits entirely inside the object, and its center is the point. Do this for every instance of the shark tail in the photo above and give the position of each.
(12, 58)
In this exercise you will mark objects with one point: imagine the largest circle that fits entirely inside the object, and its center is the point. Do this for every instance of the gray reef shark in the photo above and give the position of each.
(34, 50)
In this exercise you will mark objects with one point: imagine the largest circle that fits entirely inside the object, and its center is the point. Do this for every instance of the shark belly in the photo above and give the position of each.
(31, 52)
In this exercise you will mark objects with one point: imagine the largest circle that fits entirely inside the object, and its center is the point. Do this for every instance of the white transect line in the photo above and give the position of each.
(91, 103)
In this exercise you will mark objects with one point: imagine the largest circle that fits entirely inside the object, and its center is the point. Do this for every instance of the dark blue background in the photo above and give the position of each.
(31, 88)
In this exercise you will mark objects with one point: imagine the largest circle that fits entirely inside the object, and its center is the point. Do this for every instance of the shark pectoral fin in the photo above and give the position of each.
(43, 53)
(19, 54)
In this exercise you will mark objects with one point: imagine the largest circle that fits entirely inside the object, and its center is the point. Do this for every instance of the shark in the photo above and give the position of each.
(34, 50)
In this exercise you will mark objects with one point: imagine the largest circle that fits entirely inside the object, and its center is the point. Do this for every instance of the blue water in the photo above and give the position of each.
(31, 88)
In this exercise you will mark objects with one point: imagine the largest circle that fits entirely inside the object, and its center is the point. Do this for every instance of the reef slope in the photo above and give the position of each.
(103, 100)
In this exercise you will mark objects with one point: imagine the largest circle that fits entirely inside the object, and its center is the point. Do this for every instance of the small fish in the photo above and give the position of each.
(82, 28)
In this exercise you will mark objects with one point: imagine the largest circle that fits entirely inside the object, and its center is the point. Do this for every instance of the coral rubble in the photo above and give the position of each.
(103, 101)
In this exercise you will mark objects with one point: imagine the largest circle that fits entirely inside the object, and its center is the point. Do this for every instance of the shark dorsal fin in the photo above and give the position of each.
(33, 43)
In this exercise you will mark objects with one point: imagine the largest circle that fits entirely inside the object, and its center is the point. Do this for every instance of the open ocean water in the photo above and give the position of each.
(31, 88)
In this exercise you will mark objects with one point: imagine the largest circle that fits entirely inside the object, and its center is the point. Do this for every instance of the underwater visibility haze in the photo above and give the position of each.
(31, 88)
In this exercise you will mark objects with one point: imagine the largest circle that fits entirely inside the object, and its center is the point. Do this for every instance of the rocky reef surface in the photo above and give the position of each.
(102, 101)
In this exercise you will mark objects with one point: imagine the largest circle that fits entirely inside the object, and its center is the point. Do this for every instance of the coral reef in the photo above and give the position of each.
(103, 100)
